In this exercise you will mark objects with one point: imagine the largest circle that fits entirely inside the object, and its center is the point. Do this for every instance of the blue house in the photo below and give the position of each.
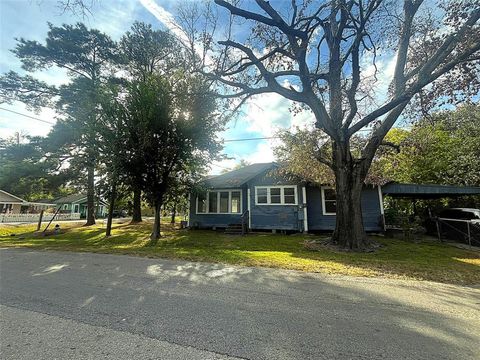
(260, 199)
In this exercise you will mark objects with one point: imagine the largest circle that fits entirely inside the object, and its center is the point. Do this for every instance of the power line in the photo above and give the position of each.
(28, 116)
(251, 139)
(226, 140)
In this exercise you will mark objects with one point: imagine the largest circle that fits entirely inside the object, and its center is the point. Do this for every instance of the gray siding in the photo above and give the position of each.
(370, 210)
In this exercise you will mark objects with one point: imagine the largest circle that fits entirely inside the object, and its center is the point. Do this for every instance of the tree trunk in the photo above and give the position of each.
(110, 209)
(174, 213)
(156, 224)
(90, 194)
(349, 180)
(137, 206)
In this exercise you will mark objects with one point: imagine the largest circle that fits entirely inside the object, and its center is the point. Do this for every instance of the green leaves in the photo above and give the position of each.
(442, 149)
(32, 92)
(76, 48)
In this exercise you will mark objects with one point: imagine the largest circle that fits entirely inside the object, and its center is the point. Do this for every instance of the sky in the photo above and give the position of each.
(260, 117)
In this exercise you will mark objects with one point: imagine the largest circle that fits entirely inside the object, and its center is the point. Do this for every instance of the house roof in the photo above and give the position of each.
(77, 199)
(428, 191)
(6, 197)
(236, 178)
(74, 198)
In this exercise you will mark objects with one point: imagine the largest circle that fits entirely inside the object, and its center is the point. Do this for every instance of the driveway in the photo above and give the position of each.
(58, 305)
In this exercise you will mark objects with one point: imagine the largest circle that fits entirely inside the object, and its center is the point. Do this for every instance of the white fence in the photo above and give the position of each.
(33, 218)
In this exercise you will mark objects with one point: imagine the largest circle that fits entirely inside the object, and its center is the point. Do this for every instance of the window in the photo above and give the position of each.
(289, 195)
(276, 195)
(262, 196)
(224, 201)
(235, 208)
(220, 202)
(76, 208)
(65, 207)
(212, 202)
(202, 204)
(329, 199)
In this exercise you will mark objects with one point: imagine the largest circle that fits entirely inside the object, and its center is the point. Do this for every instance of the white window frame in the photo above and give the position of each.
(230, 191)
(282, 195)
(324, 209)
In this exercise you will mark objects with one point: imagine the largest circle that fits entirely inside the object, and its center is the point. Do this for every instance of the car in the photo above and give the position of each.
(119, 213)
(457, 224)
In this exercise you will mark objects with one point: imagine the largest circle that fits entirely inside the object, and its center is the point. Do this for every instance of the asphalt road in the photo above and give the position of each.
(57, 305)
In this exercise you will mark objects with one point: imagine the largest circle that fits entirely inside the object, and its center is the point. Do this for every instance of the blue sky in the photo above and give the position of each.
(28, 19)
(261, 117)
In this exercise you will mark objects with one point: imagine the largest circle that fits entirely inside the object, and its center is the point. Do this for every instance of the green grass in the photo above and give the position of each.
(427, 260)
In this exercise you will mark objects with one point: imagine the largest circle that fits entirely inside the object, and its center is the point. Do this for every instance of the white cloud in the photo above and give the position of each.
(268, 113)
(10, 123)
(379, 75)
(218, 166)
(114, 20)
(166, 18)
(263, 153)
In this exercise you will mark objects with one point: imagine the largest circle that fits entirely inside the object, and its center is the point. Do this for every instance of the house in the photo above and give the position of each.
(11, 204)
(260, 198)
(77, 204)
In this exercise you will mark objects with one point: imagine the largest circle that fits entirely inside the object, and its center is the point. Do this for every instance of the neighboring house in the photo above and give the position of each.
(77, 204)
(259, 197)
(11, 204)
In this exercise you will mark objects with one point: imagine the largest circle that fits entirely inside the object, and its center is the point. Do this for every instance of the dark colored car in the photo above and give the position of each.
(119, 213)
(457, 224)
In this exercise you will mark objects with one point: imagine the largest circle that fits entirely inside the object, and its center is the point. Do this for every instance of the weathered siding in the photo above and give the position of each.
(280, 217)
(370, 210)
(287, 217)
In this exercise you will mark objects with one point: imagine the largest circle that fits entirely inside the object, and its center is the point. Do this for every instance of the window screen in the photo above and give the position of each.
(262, 196)
(202, 204)
(235, 207)
(289, 195)
(212, 202)
(224, 202)
(330, 201)
(275, 196)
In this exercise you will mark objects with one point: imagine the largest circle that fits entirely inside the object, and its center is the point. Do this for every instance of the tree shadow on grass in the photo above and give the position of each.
(397, 258)
(256, 313)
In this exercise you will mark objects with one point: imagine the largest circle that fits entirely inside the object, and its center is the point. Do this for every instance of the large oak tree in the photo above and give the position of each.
(322, 56)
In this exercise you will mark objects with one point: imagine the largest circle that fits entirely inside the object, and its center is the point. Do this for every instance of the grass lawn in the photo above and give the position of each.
(427, 260)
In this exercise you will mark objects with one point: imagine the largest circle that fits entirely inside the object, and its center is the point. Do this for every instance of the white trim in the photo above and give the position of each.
(322, 190)
(282, 195)
(382, 210)
(305, 218)
(218, 191)
(249, 207)
(16, 197)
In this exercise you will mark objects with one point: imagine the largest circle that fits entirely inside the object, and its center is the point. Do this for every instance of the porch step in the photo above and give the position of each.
(234, 229)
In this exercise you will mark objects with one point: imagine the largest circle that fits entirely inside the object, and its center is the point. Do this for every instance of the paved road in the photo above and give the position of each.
(57, 305)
